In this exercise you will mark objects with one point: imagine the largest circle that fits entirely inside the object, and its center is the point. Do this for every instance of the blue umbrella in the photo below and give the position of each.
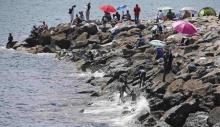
(121, 7)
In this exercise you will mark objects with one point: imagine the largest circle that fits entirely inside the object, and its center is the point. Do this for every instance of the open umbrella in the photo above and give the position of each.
(157, 43)
(207, 11)
(184, 27)
(122, 7)
(187, 9)
(107, 8)
(165, 8)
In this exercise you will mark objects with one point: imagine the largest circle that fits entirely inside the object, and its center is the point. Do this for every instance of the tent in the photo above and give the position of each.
(207, 11)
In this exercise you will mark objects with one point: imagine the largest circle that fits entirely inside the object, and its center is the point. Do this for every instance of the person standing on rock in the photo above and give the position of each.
(71, 12)
(142, 76)
(88, 7)
(170, 60)
(165, 65)
(10, 38)
(122, 90)
(137, 11)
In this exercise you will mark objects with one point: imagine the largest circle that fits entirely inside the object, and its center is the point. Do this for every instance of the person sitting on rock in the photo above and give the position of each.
(140, 42)
(160, 15)
(191, 66)
(128, 16)
(81, 15)
(77, 20)
(34, 32)
(44, 26)
(123, 87)
(117, 16)
(108, 16)
(170, 15)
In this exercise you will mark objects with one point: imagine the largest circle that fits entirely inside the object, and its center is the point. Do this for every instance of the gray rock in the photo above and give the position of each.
(198, 119)
(214, 116)
(61, 41)
(177, 115)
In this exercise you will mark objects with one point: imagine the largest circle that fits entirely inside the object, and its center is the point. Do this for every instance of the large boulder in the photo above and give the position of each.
(61, 41)
(91, 28)
(214, 116)
(177, 115)
(174, 87)
(10, 44)
(198, 119)
(80, 41)
(45, 38)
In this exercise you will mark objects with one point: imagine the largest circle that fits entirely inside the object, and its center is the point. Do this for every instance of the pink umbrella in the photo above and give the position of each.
(184, 27)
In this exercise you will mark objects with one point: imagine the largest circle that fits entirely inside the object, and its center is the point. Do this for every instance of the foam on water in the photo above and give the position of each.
(97, 74)
(111, 111)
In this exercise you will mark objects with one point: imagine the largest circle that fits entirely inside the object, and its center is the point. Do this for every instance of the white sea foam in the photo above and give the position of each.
(89, 74)
(111, 111)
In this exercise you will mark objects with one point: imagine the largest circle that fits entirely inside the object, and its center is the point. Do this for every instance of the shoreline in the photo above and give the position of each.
(181, 100)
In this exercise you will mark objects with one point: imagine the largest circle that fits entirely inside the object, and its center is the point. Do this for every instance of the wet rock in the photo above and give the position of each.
(150, 121)
(214, 116)
(177, 115)
(160, 88)
(102, 81)
(173, 100)
(162, 124)
(11, 45)
(61, 41)
(198, 119)
(95, 94)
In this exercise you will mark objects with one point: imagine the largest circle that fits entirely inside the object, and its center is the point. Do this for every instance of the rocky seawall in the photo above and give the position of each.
(188, 99)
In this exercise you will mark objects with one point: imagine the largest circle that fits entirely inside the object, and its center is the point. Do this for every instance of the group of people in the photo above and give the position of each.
(80, 16)
(123, 16)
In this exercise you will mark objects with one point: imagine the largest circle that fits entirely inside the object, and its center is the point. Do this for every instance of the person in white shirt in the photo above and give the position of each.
(160, 15)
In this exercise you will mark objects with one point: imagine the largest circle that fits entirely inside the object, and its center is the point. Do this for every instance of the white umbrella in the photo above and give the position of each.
(157, 43)
(187, 9)
(165, 8)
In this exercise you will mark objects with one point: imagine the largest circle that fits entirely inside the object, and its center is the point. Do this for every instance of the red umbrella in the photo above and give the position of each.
(107, 8)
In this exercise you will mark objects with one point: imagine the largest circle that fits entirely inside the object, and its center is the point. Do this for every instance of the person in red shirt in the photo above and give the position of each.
(137, 11)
